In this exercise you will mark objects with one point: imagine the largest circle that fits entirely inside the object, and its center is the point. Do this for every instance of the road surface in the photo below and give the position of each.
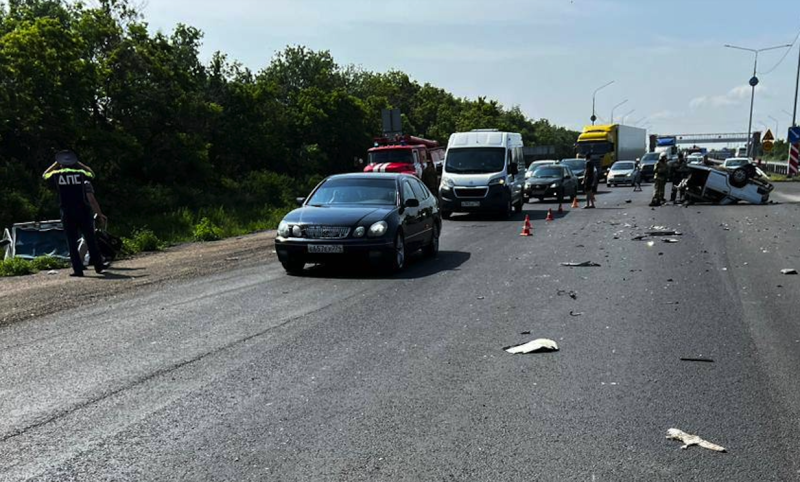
(343, 375)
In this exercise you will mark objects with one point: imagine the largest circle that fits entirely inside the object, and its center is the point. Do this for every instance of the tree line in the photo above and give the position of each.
(171, 137)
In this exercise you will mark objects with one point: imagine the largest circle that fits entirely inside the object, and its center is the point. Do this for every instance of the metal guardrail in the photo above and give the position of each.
(772, 167)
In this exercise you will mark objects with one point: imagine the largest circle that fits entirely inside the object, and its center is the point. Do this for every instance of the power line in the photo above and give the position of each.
(785, 54)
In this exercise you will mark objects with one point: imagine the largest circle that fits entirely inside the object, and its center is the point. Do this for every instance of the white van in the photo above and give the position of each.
(483, 171)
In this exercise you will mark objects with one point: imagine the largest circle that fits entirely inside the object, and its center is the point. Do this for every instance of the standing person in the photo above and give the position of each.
(590, 182)
(431, 178)
(637, 177)
(661, 174)
(676, 175)
(76, 195)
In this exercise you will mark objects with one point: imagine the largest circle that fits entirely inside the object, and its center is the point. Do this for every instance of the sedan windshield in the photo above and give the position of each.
(623, 166)
(576, 165)
(547, 172)
(355, 191)
(481, 160)
(399, 156)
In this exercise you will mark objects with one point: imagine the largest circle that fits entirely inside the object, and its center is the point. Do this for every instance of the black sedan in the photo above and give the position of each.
(378, 217)
(551, 181)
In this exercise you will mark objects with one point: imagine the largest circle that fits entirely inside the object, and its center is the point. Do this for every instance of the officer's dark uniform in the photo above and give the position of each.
(72, 184)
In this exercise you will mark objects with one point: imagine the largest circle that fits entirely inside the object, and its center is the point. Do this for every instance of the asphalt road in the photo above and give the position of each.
(343, 375)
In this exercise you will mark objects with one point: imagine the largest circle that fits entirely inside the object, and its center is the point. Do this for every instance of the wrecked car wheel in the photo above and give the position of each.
(739, 177)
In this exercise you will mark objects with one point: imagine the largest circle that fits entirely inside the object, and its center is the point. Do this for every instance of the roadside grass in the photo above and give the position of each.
(22, 267)
(782, 178)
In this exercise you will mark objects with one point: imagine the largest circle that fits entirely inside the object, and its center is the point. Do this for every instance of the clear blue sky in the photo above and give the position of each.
(547, 56)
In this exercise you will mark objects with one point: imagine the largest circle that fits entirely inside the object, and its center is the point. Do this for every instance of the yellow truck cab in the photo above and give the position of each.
(611, 143)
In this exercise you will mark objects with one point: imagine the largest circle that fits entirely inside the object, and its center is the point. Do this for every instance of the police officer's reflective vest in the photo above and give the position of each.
(71, 186)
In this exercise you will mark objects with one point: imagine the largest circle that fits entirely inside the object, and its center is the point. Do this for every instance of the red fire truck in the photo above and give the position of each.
(407, 154)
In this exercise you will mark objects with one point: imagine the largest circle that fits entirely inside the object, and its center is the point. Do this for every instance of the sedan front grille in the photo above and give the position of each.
(326, 232)
(474, 192)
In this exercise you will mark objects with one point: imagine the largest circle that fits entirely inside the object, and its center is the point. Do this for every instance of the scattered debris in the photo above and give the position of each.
(628, 201)
(52, 271)
(233, 258)
(481, 297)
(540, 345)
(789, 271)
(525, 333)
(585, 264)
(689, 440)
(664, 233)
(571, 294)
(640, 238)
(670, 240)
(575, 313)
(700, 359)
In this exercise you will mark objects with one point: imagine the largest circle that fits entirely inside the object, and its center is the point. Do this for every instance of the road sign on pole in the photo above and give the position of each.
(768, 136)
(794, 150)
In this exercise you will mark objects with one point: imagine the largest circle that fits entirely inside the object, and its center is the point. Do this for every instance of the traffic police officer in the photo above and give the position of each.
(75, 193)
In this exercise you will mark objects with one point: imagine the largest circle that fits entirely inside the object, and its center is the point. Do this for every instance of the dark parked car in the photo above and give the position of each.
(578, 168)
(552, 181)
(379, 217)
(647, 165)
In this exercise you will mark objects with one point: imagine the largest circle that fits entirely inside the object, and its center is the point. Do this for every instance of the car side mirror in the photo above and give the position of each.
(300, 201)
(411, 203)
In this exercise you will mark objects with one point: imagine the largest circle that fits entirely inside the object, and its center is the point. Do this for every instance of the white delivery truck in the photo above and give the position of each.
(483, 171)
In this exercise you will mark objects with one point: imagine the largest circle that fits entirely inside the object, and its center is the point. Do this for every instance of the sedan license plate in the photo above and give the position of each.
(470, 204)
(325, 248)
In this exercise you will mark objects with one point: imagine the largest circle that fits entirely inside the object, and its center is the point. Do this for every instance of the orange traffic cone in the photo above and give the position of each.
(575, 204)
(549, 215)
(526, 228)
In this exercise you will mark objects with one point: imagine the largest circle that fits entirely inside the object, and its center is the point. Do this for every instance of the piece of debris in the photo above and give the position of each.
(525, 333)
(585, 264)
(789, 271)
(639, 238)
(689, 440)
(52, 271)
(540, 345)
(699, 359)
(670, 240)
(575, 313)
(571, 294)
(628, 201)
(233, 258)
(664, 233)
(481, 297)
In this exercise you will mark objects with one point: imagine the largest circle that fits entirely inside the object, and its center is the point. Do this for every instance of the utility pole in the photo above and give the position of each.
(796, 91)
(753, 83)
(594, 96)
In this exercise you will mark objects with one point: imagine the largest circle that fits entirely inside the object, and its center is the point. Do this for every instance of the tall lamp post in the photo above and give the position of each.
(594, 97)
(796, 92)
(615, 108)
(753, 84)
(625, 117)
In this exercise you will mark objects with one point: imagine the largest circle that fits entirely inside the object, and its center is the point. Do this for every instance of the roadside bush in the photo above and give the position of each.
(16, 267)
(46, 263)
(141, 240)
(207, 230)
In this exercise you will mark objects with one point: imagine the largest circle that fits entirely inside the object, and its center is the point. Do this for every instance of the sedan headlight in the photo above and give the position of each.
(360, 232)
(528, 174)
(297, 231)
(284, 229)
(498, 181)
(378, 229)
(447, 182)
(555, 185)
(527, 185)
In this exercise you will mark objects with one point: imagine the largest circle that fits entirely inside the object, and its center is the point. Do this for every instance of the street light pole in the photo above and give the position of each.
(594, 97)
(615, 108)
(753, 84)
(796, 91)
(625, 117)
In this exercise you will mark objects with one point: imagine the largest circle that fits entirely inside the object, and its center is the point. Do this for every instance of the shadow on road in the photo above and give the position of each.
(418, 267)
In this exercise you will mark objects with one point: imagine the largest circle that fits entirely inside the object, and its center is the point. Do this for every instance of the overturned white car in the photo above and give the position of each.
(706, 184)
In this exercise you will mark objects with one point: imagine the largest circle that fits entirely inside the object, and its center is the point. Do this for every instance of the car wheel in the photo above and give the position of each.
(293, 266)
(739, 177)
(433, 248)
(399, 258)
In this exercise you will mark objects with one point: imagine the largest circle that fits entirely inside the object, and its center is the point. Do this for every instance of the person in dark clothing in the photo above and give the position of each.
(76, 196)
(590, 182)
(431, 178)
(676, 173)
